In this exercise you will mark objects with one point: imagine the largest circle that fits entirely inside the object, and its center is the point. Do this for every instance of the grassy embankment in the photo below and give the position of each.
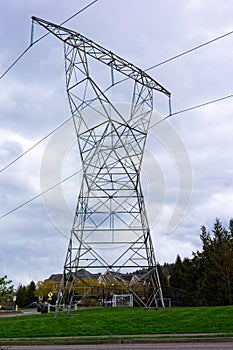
(120, 321)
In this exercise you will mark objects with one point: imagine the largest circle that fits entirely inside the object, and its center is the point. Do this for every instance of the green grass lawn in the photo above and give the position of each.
(120, 321)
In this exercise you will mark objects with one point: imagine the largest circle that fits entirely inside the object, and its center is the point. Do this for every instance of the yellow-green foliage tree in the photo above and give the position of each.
(43, 288)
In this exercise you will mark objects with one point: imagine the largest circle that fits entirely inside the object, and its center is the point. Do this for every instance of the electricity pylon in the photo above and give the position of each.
(110, 230)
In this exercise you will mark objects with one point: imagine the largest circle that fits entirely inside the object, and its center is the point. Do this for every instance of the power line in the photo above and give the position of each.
(67, 20)
(188, 109)
(75, 173)
(178, 56)
(154, 66)
(183, 53)
(36, 144)
(83, 9)
(42, 37)
(14, 63)
(155, 124)
(203, 104)
(190, 50)
(38, 195)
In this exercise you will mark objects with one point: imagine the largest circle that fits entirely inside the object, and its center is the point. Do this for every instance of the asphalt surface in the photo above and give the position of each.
(169, 346)
(19, 313)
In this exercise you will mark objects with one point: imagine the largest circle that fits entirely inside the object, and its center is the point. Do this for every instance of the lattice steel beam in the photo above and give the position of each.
(110, 230)
(96, 51)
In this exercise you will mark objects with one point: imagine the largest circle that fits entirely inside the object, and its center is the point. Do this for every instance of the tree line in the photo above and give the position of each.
(205, 279)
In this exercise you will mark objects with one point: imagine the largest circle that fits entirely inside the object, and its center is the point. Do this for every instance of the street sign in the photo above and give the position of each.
(50, 294)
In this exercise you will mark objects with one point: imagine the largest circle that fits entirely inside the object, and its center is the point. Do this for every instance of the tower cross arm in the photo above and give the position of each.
(96, 51)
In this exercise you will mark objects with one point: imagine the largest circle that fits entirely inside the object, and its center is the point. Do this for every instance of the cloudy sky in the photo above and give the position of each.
(187, 174)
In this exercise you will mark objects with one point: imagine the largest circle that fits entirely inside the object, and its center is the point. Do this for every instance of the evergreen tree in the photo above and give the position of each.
(26, 294)
(21, 299)
(176, 278)
(184, 278)
(215, 266)
(31, 288)
(162, 276)
(207, 278)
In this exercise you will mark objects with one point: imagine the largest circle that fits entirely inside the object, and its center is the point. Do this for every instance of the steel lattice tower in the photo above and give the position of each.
(110, 230)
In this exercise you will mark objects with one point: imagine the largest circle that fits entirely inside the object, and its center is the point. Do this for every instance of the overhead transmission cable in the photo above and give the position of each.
(190, 50)
(188, 109)
(36, 144)
(39, 195)
(152, 67)
(42, 37)
(160, 121)
(14, 63)
(78, 171)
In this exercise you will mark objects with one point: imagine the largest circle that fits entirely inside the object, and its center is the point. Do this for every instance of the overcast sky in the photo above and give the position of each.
(188, 156)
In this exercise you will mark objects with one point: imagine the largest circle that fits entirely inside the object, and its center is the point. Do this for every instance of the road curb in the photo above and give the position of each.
(148, 340)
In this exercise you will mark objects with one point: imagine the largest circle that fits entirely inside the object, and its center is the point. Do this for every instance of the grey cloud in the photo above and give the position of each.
(9, 150)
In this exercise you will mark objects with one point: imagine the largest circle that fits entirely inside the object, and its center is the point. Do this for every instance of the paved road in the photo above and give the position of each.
(169, 346)
(20, 313)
